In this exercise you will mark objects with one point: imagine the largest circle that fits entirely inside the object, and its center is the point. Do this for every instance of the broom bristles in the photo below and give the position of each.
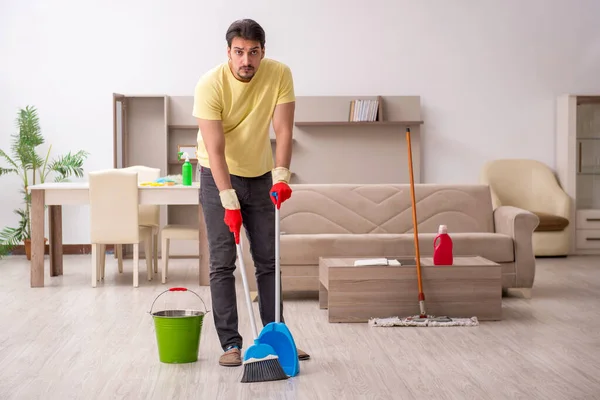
(263, 370)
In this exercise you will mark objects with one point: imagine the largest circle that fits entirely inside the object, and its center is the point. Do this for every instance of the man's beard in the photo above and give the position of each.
(246, 73)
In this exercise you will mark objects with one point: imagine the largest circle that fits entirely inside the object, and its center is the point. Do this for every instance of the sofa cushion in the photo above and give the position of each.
(386, 209)
(550, 223)
(303, 249)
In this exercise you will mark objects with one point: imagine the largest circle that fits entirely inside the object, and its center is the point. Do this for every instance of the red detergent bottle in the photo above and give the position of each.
(442, 247)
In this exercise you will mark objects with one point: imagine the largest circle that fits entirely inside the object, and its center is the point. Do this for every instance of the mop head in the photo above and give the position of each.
(418, 321)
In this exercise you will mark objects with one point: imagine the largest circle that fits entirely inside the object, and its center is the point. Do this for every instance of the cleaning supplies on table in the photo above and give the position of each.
(186, 170)
(442, 247)
(169, 180)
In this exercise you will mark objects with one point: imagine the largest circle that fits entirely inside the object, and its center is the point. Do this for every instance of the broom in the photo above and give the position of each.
(423, 319)
(276, 333)
(261, 362)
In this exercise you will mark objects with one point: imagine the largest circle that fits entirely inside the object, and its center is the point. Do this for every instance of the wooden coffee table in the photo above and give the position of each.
(470, 287)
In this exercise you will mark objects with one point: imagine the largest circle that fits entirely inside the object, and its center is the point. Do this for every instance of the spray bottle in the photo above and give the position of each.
(186, 170)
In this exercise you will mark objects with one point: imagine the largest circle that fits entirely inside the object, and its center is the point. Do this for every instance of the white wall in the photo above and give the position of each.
(487, 75)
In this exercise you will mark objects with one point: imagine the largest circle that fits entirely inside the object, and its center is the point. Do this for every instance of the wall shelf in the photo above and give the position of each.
(175, 162)
(361, 123)
(192, 127)
(332, 131)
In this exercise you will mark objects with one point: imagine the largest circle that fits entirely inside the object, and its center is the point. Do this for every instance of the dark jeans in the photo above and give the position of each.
(258, 215)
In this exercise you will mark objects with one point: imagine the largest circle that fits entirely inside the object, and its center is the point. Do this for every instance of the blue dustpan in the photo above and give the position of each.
(277, 334)
(258, 350)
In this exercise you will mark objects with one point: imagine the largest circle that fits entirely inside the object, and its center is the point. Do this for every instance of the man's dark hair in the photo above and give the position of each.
(247, 29)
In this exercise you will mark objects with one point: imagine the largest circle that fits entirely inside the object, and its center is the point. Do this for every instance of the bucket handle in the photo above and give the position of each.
(179, 289)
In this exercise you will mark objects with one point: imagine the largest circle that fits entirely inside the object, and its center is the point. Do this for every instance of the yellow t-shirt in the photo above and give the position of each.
(246, 109)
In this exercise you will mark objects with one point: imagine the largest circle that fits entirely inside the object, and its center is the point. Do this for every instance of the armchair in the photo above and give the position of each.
(531, 185)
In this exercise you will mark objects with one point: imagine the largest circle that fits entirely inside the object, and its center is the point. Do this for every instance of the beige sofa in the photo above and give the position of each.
(375, 220)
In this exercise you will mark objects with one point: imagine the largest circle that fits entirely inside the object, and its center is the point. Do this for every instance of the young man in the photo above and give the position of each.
(234, 104)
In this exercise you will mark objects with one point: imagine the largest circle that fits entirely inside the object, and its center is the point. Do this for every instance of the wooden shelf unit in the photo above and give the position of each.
(147, 130)
(578, 167)
(328, 148)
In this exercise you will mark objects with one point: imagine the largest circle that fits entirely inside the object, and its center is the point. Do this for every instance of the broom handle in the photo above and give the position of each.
(415, 229)
(277, 269)
(246, 289)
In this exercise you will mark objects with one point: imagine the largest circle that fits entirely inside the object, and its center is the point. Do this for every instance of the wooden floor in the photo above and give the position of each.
(70, 341)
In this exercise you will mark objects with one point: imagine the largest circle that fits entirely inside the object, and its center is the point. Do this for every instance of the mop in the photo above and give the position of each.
(423, 319)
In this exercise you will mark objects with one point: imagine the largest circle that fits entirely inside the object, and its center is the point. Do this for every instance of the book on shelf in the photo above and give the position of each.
(363, 110)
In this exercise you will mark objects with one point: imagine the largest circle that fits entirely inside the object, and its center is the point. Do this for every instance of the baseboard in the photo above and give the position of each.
(67, 249)
(556, 256)
(77, 249)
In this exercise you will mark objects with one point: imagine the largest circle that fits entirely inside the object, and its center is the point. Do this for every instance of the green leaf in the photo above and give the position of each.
(28, 138)
(9, 160)
(11, 237)
(26, 196)
(61, 178)
(6, 171)
(44, 171)
(29, 126)
(69, 164)
(37, 161)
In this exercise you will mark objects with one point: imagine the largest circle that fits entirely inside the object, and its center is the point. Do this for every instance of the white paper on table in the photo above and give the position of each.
(366, 262)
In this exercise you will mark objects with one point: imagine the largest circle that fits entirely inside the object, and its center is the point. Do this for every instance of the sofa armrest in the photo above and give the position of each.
(519, 224)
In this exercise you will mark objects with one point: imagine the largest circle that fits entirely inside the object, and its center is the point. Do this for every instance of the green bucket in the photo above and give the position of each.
(178, 331)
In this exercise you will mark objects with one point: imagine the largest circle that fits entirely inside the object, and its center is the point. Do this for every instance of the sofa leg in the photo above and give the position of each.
(523, 293)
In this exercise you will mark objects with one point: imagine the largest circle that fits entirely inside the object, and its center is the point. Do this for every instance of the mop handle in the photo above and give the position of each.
(246, 289)
(277, 268)
(414, 212)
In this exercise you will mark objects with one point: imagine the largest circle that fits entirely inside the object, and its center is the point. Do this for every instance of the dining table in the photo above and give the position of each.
(55, 195)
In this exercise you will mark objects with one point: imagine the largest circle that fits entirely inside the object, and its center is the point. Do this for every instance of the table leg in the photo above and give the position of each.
(56, 245)
(203, 256)
(37, 238)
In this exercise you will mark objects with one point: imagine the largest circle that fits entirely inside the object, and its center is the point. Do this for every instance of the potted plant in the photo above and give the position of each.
(32, 168)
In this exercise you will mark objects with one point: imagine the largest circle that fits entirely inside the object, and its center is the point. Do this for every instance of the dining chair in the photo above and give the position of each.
(149, 215)
(174, 232)
(114, 219)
